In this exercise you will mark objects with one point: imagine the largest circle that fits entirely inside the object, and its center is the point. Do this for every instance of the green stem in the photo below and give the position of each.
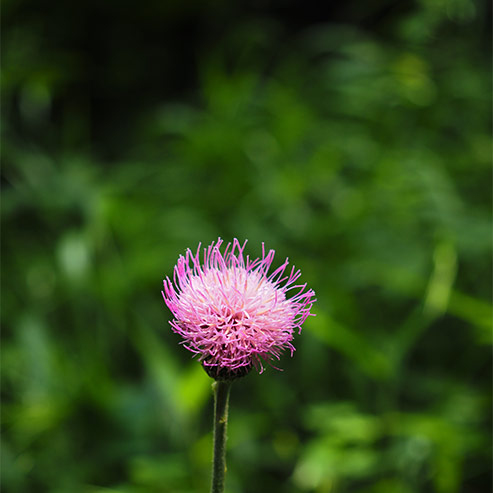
(221, 398)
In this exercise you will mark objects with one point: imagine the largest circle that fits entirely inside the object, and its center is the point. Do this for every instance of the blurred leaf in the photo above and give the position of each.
(369, 359)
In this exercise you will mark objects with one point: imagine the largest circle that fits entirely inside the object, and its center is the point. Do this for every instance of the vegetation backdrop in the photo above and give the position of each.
(352, 137)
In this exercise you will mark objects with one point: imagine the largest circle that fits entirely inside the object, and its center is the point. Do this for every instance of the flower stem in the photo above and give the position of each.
(221, 398)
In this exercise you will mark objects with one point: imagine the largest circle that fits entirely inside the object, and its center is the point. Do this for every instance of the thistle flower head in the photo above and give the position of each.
(231, 312)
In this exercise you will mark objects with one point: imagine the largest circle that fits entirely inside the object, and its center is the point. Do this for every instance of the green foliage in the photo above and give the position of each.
(362, 155)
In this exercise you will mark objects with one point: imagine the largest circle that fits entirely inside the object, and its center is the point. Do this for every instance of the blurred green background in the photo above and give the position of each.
(352, 137)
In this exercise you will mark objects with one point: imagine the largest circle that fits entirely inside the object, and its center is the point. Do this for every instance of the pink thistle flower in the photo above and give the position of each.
(231, 312)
